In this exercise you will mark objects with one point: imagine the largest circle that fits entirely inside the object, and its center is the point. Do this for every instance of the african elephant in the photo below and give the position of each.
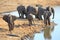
(30, 18)
(51, 10)
(10, 20)
(47, 15)
(41, 12)
(30, 12)
(21, 11)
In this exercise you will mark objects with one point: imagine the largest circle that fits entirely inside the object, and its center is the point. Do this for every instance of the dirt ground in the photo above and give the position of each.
(21, 29)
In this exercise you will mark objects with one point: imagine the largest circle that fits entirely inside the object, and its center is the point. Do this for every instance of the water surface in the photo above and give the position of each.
(54, 33)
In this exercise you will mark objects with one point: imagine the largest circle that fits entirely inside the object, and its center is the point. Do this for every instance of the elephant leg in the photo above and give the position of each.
(45, 21)
(40, 17)
(30, 22)
(22, 15)
(48, 20)
(12, 26)
(19, 14)
(36, 16)
(13, 23)
(26, 16)
(9, 25)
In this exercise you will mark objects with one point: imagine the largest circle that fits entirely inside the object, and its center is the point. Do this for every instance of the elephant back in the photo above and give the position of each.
(21, 8)
(41, 10)
(31, 9)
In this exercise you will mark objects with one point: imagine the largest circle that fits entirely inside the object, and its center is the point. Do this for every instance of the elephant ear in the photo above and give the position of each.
(6, 18)
(14, 18)
(47, 8)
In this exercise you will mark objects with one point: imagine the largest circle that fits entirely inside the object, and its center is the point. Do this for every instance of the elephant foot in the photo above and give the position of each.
(29, 24)
(10, 32)
(49, 24)
(22, 17)
(40, 19)
(19, 17)
(26, 18)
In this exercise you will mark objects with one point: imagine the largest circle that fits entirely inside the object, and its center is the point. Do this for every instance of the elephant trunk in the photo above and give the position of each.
(53, 12)
(53, 16)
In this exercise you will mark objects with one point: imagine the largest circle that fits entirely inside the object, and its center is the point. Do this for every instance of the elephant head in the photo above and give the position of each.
(21, 11)
(51, 10)
(40, 13)
(9, 18)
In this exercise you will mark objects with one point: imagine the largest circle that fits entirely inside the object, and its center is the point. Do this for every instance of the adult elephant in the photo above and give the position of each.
(47, 15)
(21, 11)
(30, 18)
(10, 20)
(30, 12)
(41, 12)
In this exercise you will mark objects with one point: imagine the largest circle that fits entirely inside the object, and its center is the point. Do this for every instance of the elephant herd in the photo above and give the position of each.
(29, 12)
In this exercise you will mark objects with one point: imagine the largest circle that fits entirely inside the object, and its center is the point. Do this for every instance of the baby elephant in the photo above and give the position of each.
(30, 18)
(10, 20)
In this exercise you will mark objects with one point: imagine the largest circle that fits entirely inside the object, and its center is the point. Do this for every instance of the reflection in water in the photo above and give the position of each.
(47, 32)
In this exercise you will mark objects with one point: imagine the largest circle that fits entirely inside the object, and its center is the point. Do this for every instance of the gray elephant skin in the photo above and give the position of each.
(10, 20)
